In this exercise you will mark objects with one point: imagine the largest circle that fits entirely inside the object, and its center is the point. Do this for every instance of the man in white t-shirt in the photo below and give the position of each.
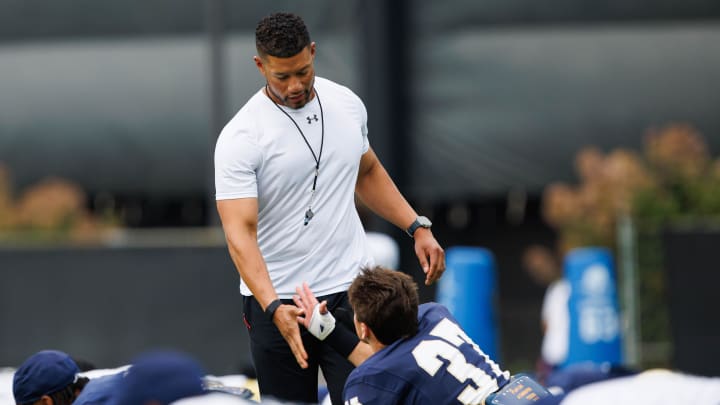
(556, 322)
(543, 266)
(287, 167)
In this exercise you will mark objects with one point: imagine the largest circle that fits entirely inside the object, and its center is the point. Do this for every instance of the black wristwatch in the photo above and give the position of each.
(420, 222)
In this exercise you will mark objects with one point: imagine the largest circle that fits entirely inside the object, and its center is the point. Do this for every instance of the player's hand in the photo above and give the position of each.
(430, 255)
(285, 319)
(315, 316)
(306, 301)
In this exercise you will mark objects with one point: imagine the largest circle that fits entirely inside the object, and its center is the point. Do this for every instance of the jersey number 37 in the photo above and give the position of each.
(428, 355)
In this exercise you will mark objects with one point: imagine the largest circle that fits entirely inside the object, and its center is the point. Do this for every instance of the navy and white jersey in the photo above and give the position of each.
(439, 365)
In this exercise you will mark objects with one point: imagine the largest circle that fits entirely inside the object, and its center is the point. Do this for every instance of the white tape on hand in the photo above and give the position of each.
(321, 325)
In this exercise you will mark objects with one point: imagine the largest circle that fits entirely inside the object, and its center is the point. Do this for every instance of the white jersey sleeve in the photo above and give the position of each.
(364, 128)
(237, 159)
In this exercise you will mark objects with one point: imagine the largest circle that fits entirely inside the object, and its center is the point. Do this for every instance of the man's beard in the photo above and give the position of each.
(286, 100)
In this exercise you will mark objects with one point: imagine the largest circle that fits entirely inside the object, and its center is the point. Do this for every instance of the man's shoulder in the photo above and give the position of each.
(431, 315)
(327, 86)
(387, 371)
(245, 118)
(432, 312)
(558, 290)
(258, 103)
(99, 390)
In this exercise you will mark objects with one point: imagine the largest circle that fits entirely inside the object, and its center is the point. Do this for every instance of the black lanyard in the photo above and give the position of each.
(309, 214)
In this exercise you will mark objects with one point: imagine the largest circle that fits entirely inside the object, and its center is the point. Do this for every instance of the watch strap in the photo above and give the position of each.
(415, 225)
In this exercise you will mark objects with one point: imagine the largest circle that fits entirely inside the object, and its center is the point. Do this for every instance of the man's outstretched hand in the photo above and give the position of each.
(320, 322)
(430, 255)
(285, 320)
(314, 316)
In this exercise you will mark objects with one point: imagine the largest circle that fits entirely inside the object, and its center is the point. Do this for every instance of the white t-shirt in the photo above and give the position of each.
(556, 316)
(261, 154)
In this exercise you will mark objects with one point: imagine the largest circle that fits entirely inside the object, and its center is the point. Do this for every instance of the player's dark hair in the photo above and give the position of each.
(387, 301)
(281, 35)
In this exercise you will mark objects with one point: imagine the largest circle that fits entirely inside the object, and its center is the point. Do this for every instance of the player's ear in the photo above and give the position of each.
(363, 331)
(46, 400)
(259, 64)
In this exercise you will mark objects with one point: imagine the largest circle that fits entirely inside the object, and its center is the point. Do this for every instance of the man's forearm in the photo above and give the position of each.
(379, 193)
(324, 327)
(252, 269)
(346, 343)
(361, 353)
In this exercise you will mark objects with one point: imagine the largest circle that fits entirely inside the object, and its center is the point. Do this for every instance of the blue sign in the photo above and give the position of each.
(467, 289)
(593, 307)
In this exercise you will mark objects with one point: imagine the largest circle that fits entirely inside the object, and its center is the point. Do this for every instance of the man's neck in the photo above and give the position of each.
(375, 345)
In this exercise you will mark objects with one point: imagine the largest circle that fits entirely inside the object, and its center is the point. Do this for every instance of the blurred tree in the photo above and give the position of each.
(53, 209)
(673, 179)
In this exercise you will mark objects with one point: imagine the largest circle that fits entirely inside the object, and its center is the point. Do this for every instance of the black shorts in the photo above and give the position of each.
(279, 376)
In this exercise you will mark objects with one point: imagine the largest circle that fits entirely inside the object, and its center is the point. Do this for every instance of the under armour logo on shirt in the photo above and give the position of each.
(310, 119)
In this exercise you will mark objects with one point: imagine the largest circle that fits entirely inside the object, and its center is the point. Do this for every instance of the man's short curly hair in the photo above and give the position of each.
(281, 35)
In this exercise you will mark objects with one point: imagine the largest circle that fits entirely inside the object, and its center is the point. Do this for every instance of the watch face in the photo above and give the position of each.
(424, 222)
(420, 222)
